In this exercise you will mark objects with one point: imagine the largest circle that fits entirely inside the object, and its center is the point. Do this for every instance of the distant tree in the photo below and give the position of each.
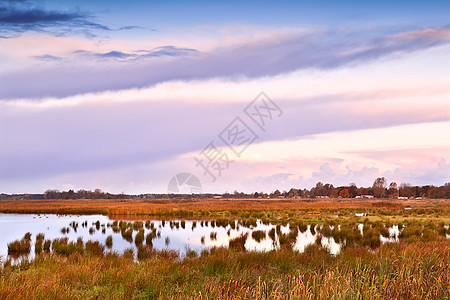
(405, 190)
(446, 190)
(52, 194)
(98, 194)
(344, 193)
(432, 192)
(392, 191)
(379, 187)
(416, 191)
(334, 193)
(353, 190)
(70, 194)
(363, 191)
(292, 193)
(305, 193)
(329, 189)
(318, 190)
(82, 194)
(277, 193)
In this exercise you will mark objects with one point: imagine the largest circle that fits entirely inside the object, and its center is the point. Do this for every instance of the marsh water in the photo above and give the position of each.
(178, 235)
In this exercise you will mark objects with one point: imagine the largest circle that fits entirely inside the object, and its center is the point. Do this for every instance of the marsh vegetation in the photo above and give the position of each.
(236, 254)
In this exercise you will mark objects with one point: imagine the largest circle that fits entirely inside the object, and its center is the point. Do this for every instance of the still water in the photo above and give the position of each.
(177, 235)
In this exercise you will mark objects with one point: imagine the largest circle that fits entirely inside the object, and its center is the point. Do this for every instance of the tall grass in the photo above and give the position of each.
(20, 247)
(417, 267)
(139, 238)
(259, 235)
(238, 243)
(39, 243)
(109, 242)
(395, 271)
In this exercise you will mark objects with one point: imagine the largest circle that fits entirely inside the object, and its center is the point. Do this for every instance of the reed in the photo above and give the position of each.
(64, 247)
(127, 234)
(418, 270)
(416, 267)
(139, 238)
(20, 247)
(109, 242)
(238, 243)
(39, 243)
(259, 235)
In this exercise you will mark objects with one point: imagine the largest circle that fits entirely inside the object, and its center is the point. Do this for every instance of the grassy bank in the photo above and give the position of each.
(257, 208)
(395, 271)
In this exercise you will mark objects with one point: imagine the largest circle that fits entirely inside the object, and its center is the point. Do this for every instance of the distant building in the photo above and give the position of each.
(367, 196)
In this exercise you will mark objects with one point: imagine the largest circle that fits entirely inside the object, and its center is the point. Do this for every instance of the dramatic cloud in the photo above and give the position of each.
(128, 111)
(22, 16)
(90, 133)
(269, 56)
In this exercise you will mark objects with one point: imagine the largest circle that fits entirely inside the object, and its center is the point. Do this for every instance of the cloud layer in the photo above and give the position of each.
(128, 112)
(269, 56)
(17, 17)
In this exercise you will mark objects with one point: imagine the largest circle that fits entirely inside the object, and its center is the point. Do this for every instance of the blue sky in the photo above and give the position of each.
(170, 14)
(124, 95)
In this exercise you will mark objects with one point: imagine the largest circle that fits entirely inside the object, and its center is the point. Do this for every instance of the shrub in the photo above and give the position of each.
(272, 234)
(39, 243)
(19, 247)
(95, 248)
(259, 235)
(238, 243)
(47, 245)
(109, 241)
(139, 238)
(64, 247)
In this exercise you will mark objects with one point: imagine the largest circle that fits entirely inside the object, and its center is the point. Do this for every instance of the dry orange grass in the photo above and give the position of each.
(395, 271)
(155, 206)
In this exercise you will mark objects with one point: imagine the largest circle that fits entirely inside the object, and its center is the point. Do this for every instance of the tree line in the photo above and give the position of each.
(379, 189)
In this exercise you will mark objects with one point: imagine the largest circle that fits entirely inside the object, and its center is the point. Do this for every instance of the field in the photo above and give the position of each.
(195, 205)
(416, 267)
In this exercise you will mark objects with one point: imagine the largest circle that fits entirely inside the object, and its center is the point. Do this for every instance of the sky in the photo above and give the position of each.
(244, 95)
